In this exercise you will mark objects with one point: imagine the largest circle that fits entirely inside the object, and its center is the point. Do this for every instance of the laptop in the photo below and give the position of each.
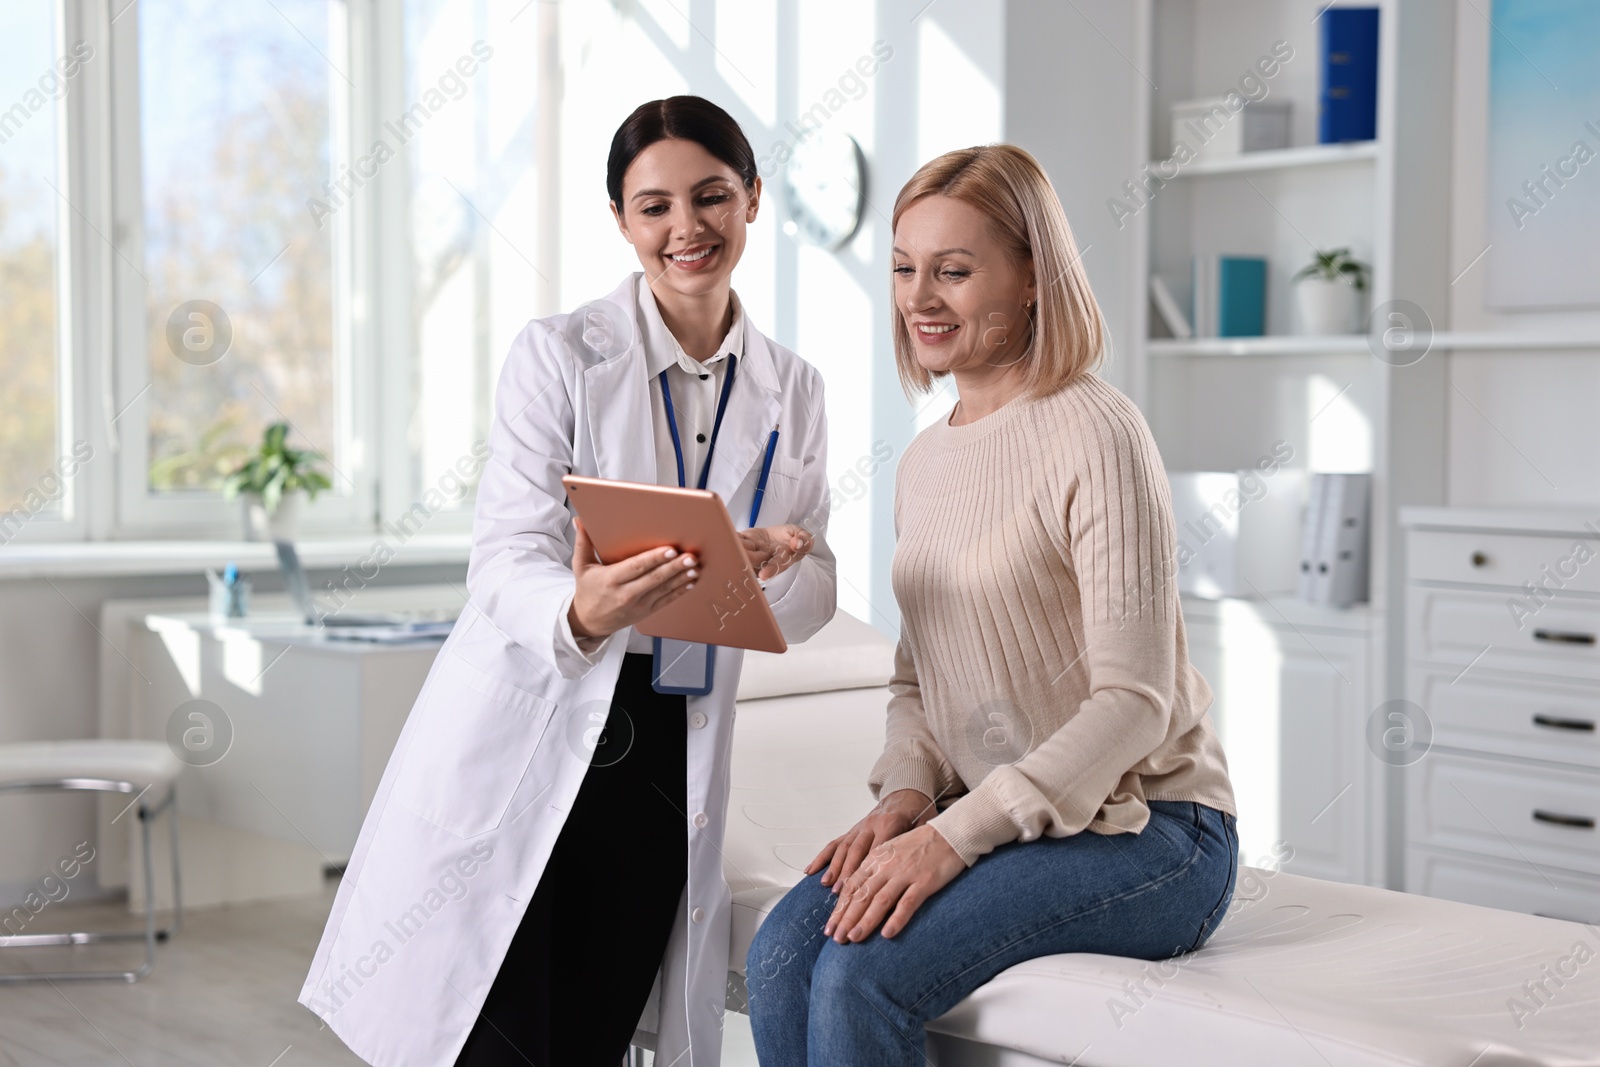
(294, 579)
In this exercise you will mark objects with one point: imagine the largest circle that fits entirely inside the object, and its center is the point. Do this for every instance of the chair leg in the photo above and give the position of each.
(149, 935)
(171, 806)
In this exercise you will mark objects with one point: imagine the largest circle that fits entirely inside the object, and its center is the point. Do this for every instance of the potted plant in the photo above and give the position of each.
(1328, 293)
(270, 482)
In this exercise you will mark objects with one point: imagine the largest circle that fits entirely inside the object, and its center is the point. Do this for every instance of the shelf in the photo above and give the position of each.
(1339, 344)
(1344, 344)
(1548, 521)
(1278, 609)
(1491, 341)
(1317, 155)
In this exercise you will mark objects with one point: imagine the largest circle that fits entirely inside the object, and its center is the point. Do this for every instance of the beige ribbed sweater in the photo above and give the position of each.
(1042, 677)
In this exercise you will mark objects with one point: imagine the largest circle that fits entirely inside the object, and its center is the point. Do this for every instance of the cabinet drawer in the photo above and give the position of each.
(1509, 886)
(1465, 626)
(1566, 562)
(1538, 815)
(1531, 719)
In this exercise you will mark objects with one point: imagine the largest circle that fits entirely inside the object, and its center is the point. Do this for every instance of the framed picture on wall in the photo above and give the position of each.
(1543, 170)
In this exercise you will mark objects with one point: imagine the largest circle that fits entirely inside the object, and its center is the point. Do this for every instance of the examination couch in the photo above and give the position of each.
(1302, 971)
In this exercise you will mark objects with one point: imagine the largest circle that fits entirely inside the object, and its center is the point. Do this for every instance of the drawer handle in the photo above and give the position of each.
(1584, 725)
(1480, 559)
(1563, 637)
(1581, 822)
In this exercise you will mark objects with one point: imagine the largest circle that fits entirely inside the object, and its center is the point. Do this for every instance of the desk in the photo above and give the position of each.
(312, 724)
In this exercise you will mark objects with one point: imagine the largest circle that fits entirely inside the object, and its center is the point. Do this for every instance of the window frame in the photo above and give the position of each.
(140, 512)
(103, 364)
(68, 519)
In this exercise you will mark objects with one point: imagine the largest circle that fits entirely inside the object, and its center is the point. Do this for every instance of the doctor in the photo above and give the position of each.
(547, 835)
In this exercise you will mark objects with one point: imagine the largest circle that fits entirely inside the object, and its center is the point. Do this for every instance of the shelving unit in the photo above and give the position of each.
(1304, 687)
(1223, 403)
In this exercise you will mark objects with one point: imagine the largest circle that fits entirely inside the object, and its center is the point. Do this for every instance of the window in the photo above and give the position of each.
(244, 213)
(36, 463)
(215, 217)
(478, 271)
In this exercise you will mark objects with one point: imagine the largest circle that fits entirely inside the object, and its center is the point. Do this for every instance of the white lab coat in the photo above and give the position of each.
(494, 750)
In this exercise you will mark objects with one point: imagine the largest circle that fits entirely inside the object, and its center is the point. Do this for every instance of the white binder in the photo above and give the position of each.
(1335, 545)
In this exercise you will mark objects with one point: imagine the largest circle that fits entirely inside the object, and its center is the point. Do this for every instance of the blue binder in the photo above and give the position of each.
(1349, 104)
(1241, 296)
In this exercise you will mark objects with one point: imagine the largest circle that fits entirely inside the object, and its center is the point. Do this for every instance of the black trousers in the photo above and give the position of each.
(580, 968)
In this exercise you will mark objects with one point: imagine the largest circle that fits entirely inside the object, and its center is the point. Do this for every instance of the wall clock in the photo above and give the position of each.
(824, 186)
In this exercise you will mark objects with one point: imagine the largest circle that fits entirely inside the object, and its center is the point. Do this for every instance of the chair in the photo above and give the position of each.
(137, 767)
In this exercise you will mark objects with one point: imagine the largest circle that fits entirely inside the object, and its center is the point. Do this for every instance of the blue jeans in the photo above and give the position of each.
(1151, 895)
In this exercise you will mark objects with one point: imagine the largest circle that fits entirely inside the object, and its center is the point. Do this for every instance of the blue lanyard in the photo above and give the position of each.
(711, 448)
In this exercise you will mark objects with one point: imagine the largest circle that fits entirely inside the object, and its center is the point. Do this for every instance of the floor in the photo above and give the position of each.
(222, 994)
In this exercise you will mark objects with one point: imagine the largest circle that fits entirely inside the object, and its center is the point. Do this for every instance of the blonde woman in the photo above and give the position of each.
(1051, 781)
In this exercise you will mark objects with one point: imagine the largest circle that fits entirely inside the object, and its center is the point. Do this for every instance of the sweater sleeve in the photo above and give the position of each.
(911, 758)
(1121, 543)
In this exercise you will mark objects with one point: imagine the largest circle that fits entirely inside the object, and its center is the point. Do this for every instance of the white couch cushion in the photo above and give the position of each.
(845, 654)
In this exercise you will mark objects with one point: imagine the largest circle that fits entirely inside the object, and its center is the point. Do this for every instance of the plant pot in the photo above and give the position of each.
(1327, 307)
(281, 525)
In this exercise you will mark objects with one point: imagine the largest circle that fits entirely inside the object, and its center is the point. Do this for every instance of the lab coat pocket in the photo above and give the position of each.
(781, 502)
(473, 744)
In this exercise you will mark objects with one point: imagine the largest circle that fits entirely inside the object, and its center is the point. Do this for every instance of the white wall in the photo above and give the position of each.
(1522, 426)
(1070, 70)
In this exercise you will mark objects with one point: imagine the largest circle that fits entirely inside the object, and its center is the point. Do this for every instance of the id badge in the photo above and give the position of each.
(682, 667)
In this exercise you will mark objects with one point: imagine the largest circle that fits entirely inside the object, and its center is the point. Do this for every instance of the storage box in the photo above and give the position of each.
(1211, 130)
(1238, 531)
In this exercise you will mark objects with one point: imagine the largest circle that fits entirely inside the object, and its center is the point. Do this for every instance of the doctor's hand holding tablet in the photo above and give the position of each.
(610, 597)
(640, 552)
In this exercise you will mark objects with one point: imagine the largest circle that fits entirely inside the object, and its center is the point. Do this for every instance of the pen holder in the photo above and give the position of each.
(228, 601)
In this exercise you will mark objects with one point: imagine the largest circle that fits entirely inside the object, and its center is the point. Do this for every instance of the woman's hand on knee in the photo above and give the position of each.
(897, 813)
(892, 884)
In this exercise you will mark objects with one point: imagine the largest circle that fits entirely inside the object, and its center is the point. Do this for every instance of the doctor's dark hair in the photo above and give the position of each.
(688, 118)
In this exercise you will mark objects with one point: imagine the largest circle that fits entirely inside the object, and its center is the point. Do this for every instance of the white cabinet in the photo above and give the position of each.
(298, 729)
(1503, 669)
(1290, 685)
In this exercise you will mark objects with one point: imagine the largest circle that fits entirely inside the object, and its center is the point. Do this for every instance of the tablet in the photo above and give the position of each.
(727, 605)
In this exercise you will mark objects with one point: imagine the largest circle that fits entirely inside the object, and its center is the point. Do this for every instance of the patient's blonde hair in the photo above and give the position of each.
(1007, 184)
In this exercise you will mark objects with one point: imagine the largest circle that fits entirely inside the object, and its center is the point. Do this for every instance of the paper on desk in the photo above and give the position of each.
(396, 633)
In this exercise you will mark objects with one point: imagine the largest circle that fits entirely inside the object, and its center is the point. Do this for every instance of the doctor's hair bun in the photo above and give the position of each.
(688, 118)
